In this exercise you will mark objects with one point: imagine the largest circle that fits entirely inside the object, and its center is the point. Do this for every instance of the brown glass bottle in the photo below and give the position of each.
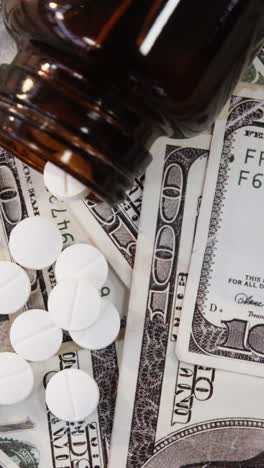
(94, 83)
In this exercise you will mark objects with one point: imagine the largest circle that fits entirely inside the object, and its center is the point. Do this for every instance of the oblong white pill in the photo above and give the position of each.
(103, 332)
(72, 395)
(16, 379)
(34, 336)
(15, 288)
(35, 242)
(81, 261)
(74, 304)
(63, 185)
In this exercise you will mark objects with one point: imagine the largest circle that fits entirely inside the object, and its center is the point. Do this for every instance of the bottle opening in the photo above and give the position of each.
(48, 114)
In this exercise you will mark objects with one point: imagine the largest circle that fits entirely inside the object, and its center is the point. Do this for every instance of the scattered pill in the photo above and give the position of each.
(14, 288)
(74, 304)
(35, 242)
(63, 185)
(72, 395)
(103, 332)
(34, 336)
(16, 379)
(81, 261)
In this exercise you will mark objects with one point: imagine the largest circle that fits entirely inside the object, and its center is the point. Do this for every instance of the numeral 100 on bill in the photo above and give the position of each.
(243, 338)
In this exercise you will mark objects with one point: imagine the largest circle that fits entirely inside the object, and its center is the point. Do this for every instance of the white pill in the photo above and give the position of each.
(82, 261)
(103, 332)
(63, 185)
(14, 288)
(72, 395)
(34, 336)
(74, 304)
(35, 242)
(16, 379)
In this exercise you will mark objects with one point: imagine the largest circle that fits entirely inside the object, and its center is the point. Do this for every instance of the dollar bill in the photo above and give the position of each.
(222, 323)
(148, 409)
(114, 230)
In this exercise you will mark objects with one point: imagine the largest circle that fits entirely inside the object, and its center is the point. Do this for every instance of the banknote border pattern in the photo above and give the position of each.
(105, 369)
(208, 426)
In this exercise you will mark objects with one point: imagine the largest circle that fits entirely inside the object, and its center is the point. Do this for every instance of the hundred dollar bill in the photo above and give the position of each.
(171, 414)
(114, 230)
(223, 315)
(145, 408)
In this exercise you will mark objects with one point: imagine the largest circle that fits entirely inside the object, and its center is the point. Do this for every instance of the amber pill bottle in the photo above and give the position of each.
(95, 82)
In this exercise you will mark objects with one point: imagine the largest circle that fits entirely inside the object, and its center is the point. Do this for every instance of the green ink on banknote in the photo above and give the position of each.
(24, 454)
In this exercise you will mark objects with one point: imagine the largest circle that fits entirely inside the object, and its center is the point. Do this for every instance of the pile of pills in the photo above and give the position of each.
(74, 304)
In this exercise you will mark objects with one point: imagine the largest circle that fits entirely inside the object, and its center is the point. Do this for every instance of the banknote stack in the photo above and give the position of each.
(183, 385)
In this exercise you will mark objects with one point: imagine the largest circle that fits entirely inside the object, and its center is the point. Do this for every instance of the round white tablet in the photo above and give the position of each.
(16, 379)
(103, 332)
(82, 261)
(63, 185)
(14, 288)
(34, 336)
(74, 304)
(35, 242)
(72, 395)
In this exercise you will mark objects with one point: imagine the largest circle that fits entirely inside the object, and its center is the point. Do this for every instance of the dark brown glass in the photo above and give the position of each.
(95, 82)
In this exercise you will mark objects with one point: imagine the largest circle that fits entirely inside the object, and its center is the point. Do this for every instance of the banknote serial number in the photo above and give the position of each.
(255, 179)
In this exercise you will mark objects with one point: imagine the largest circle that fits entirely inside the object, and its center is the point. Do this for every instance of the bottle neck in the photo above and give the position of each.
(52, 112)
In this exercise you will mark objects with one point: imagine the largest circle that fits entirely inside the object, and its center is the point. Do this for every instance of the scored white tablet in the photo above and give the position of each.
(72, 395)
(74, 304)
(14, 288)
(34, 335)
(16, 379)
(62, 185)
(81, 261)
(103, 332)
(35, 242)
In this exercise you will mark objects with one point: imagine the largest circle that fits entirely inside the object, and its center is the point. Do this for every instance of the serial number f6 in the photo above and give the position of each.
(256, 180)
